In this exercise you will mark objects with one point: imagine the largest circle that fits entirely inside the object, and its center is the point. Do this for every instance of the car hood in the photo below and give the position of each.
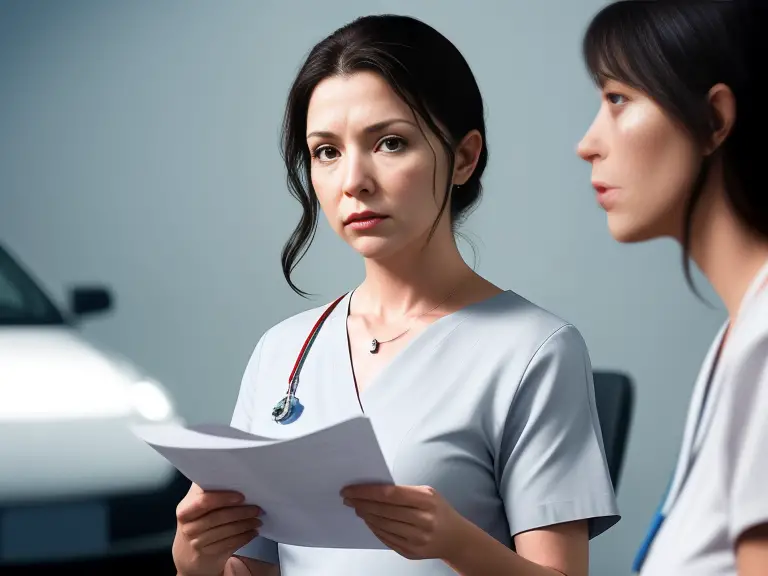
(51, 373)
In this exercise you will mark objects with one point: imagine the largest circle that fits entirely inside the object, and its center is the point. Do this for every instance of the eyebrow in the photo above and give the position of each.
(373, 128)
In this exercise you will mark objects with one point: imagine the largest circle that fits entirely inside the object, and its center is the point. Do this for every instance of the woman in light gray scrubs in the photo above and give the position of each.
(678, 149)
(482, 401)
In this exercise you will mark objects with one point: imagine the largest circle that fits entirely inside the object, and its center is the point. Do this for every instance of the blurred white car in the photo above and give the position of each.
(74, 482)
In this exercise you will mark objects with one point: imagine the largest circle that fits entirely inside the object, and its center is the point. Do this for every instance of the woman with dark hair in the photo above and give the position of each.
(482, 402)
(678, 150)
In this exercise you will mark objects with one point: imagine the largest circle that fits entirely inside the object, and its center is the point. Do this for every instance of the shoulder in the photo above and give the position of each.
(748, 354)
(524, 350)
(299, 325)
(743, 399)
(288, 335)
(743, 427)
(271, 361)
(520, 326)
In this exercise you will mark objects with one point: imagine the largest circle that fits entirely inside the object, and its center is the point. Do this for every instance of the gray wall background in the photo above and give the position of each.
(139, 147)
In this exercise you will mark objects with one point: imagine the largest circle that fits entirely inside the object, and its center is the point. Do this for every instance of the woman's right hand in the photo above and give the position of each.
(210, 527)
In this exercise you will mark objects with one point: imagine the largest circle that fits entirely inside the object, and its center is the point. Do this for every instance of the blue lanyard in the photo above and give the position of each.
(653, 530)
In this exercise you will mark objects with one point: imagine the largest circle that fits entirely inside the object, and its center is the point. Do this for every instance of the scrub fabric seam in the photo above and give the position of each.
(500, 433)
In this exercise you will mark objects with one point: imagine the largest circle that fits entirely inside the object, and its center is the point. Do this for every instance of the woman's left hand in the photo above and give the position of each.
(414, 521)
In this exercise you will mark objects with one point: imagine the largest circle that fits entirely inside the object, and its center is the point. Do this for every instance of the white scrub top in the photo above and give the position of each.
(720, 485)
(492, 405)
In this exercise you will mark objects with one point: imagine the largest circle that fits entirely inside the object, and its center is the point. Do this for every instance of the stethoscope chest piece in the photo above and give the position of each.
(287, 410)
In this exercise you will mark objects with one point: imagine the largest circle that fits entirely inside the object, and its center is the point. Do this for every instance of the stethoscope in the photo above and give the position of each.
(289, 408)
(693, 438)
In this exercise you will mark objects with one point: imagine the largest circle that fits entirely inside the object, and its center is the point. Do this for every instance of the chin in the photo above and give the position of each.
(375, 248)
(629, 231)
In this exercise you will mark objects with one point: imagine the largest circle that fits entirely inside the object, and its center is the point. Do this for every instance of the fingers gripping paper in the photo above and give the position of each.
(295, 481)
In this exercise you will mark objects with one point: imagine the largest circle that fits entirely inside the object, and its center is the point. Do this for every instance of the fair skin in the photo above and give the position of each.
(371, 153)
(211, 527)
(648, 163)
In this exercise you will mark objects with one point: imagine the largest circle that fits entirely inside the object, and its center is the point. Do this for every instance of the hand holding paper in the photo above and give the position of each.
(211, 527)
(296, 481)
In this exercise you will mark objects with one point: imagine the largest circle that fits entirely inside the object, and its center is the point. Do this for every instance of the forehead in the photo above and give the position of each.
(352, 101)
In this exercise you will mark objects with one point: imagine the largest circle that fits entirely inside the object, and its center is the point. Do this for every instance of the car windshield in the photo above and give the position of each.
(22, 302)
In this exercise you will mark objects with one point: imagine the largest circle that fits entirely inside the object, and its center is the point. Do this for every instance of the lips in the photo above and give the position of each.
(363, 217)
(606, 194)
(602, 187)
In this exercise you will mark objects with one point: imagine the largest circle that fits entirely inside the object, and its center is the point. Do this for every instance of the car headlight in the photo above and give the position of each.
(150, 401)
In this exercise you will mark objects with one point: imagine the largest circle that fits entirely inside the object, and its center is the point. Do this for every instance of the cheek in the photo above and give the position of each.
(415, 188)
(327, 192)
(661, 159)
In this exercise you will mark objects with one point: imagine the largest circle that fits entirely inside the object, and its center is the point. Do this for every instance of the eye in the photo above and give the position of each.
(325, 153)
(615, 98)
(392, 144)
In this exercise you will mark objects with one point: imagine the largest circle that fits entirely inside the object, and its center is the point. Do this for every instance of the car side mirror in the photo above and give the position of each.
(89, 299)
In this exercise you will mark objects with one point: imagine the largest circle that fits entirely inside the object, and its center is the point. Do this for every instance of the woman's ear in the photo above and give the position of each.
(467, 155)
(723, 105)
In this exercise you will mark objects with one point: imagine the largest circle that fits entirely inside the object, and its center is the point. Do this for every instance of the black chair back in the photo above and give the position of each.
(614, 396)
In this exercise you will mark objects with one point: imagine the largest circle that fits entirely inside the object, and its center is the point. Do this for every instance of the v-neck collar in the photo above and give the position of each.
(709, 384)
(757, 285)
(420, 342)
(719, 353)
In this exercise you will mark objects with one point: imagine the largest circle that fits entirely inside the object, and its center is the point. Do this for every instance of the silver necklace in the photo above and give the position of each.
(376, 343)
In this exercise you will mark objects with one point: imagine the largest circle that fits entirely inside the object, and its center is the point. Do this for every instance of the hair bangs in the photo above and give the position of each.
(620, 46)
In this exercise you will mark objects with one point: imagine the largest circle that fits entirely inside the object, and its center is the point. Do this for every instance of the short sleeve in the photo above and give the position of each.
(748, 442)
(243, 412)
(259, 548)
(553, 465)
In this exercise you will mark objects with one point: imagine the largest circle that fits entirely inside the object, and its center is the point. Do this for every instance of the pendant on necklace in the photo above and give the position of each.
(374, 346)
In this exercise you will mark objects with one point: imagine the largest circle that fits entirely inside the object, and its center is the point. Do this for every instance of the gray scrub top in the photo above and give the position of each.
(493, 406)
(720, 485)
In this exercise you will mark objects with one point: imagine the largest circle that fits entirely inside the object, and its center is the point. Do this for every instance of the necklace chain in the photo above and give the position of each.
(375, 342)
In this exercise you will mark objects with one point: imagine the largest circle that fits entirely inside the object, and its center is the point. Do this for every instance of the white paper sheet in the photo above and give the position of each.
(295, 481)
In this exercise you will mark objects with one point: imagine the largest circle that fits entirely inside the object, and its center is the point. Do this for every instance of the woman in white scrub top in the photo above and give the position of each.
(482, 401)
(678, 149)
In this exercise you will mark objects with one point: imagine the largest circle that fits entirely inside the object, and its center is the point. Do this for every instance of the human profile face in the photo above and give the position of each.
(380, 175)
(644, 165)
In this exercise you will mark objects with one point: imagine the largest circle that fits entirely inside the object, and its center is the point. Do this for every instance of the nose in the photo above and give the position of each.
(358, 179)
(590, 148)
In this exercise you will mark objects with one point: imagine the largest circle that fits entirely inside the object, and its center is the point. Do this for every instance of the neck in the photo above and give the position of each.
(726, 252)
(409, 281)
